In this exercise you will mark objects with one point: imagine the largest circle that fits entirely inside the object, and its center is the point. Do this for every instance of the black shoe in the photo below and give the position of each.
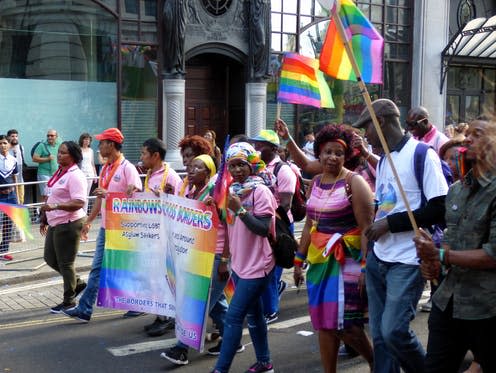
(79, 288)
(271, 318)
(215, 351)
(130, 314)
(161, 328)
(59, 308)
(157, 320)
(176, 355)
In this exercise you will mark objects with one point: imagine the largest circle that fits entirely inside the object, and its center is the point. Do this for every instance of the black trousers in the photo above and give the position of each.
(450, 339)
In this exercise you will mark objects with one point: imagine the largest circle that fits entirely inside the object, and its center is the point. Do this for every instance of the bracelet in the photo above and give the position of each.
(224, 259)
(363, 266)
(441, 256)
(298, 260)
(241, 211)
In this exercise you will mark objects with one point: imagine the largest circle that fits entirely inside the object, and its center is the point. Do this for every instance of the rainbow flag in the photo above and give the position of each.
(221, 188)
(20, 217)
(229, 290)
(302, 82)
(367, 45)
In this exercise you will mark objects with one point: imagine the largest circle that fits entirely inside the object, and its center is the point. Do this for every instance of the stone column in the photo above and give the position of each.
(173, 119)
(430, 36)
(256, 108)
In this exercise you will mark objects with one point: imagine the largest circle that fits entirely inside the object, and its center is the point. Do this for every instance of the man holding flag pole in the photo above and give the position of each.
(394, 282)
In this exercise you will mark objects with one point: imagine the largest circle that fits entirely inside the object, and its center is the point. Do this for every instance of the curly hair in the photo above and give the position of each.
(333, 132)
(198, 144)
(74, 151)
(83, 136)
(486, 160)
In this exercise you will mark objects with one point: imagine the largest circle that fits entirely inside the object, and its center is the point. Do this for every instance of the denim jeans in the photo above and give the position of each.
(246, 302)
(90, 293)
(217, 308)
(7, 225)
(394, 290)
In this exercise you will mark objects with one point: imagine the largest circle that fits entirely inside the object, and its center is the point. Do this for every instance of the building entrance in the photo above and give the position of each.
(215, 96)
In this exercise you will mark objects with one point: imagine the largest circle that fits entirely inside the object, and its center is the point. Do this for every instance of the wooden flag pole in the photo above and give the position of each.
(278, 110)
(368, 102)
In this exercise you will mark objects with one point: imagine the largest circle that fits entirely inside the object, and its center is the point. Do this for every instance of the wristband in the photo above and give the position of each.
(241, 211)
(224, 260)
(363, 266)
(298, 260)
(441, 256)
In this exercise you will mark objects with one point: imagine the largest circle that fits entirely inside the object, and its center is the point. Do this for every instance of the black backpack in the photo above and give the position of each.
(299, 203)
(36, 145)
(283, 244)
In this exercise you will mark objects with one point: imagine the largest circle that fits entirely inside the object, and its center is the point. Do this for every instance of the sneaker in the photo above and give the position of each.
(281, 287)
(6, 258)
(176, 355)
(259, 367)
(426, 307)
(76, 314)
(271, 318)
(157, 320)
(215, 351)
(79, 288)
(161, 327)
(130, 314)
(62, 306)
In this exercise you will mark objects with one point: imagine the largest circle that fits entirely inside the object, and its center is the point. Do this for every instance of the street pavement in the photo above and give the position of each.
(32, 339)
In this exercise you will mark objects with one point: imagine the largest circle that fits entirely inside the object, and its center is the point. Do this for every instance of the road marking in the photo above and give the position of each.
(138, 348)
(59, 319)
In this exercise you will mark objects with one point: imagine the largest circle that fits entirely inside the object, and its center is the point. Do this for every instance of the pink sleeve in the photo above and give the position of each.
(264, 202)
(132, 176)
(286, 180)
(78, 187)
(175, 180)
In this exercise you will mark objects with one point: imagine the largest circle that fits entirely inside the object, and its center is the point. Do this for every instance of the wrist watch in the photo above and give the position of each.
(54, 206)
(241, 212)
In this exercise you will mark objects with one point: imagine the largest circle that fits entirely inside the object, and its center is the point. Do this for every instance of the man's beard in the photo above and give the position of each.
(14, 142)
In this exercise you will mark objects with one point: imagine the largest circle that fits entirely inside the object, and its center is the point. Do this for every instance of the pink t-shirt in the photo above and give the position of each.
(71, 186)
(286, 181)
(251, 254)
(172, 179)
(126, 174)
(434, 138)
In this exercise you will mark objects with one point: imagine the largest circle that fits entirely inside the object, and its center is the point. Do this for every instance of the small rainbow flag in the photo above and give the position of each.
(20, 217)
(229, 290)
(221, 188)
(367, 45)
(302, 82)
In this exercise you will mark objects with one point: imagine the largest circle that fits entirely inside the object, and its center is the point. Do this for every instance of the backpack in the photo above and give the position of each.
(299, 203)
(283, 244)
(418, 167)
(36, 145)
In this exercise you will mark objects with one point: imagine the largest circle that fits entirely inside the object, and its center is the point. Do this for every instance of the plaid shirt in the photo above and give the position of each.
(471, 224)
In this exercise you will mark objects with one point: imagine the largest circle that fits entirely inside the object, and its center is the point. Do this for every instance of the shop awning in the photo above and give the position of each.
(474, 44)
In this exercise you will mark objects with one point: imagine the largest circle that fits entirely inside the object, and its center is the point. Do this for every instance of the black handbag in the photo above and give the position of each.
(283, 244)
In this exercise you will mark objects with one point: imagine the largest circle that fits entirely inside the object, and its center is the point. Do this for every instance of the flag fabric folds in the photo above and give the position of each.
(302, 82)
(367, 45)
(221, 188)
(19, 215)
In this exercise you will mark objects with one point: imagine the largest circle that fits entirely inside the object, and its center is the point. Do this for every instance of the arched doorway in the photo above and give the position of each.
(215, 96)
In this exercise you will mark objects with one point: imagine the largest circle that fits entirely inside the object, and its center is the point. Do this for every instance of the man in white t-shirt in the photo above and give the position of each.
(394, 281)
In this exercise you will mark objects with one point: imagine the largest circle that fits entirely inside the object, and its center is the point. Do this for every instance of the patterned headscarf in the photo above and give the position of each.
(248, 154)
(260, 175)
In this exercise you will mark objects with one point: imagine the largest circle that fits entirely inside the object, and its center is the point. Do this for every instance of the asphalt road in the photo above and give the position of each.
(36, 341)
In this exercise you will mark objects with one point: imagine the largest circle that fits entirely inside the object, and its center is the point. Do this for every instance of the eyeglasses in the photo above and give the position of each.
(51, 135)
(197, 169)
(414, 123)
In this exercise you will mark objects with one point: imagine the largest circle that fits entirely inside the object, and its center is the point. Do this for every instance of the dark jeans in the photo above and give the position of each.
(61, 247)
(450, 339)
(7, 225)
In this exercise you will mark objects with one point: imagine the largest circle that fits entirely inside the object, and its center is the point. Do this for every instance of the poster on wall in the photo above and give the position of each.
(158, 259)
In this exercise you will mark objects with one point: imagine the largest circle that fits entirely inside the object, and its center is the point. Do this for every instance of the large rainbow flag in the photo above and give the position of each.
(20, 217)
(367, 45)
(302, 82)
(158, 259)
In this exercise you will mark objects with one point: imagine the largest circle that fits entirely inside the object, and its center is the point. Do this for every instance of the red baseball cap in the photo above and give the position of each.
(112, 134)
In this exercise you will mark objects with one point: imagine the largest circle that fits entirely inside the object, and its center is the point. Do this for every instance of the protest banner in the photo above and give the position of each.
(158, 259)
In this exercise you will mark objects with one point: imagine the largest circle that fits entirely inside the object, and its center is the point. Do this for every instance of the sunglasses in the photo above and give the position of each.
(51, 135)
(414, 123)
